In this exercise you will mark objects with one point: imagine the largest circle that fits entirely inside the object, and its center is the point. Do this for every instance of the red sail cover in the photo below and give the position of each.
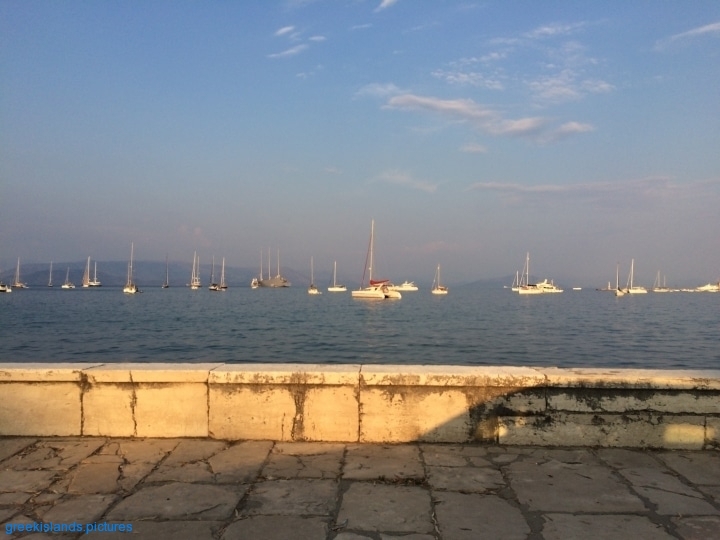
(375, 282)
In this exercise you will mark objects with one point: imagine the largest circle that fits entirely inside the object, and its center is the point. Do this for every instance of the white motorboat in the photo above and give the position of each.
(405, 286)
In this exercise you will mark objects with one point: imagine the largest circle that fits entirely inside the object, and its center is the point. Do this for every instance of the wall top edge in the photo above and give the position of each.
(367, 374)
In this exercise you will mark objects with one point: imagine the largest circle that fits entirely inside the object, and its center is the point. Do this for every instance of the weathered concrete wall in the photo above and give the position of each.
(369, 403)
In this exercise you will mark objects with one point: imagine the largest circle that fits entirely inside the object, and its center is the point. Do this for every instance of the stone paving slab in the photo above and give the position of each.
(225, 490)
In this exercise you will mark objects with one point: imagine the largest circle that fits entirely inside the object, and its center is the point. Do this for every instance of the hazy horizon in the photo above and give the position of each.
(471, 132)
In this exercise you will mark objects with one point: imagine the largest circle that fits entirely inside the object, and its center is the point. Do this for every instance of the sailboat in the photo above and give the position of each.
(86, 275)
(523, 286)
(166, 283)
(335, 287)
(376, 289)
(630, 288)
(195, 275)
(68, 284)
(130, 287)
(255, 283)
(618, 290)
(657, 287)
(50, 283)
(17, 284)
(276, 282)
(213, 286)
(94, 282)
(436, 287)
(312, 289)
(223, 285)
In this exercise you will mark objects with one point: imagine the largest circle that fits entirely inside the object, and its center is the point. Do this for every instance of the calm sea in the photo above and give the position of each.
(470, 326)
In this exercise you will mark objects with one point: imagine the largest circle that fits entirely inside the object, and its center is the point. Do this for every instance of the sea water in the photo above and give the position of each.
(469, 326)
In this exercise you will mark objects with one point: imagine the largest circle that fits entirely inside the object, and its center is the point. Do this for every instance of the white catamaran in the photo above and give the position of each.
(376, 289)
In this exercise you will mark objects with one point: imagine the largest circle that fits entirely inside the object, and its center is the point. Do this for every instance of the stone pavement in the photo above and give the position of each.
(208, 489)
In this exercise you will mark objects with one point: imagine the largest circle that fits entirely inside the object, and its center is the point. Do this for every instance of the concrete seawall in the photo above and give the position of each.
(365, 403)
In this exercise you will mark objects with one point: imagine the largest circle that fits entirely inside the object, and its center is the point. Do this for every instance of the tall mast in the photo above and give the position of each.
(372, 240)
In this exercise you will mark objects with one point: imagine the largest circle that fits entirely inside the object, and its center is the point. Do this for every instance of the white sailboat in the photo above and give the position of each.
(17, 284)
(618, 290)
(195, 275)
(436, 287)
(312, 289)
(95, 282)
(660, 288)
(130, 287)
(335, 287)
(50, 282)
(524, 287)
(68, 284)
(223, 285)
(166, 283)
(255, 283)
(213, 286)
(630, 288)
(86, 275)
(376, 289)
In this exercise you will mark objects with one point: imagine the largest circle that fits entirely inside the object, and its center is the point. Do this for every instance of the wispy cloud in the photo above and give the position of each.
(405, 179)
(292, 51)
(554, 30)
(361, 26)
(469, 78)
(712, 29)
(608, 193)
(384, 4)
(284, 30)
(484, 118)
(378, 90)
(474, 148)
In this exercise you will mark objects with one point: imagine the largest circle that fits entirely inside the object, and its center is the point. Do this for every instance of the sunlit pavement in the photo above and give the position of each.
(203, 488)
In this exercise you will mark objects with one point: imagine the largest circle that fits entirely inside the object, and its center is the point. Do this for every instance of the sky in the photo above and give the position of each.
(471, 132)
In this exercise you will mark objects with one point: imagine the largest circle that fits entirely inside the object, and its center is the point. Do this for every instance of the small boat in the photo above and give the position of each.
(130, 286)
(67, 284)
(195, 275)
(405, 286)
(17, 284)
(376, 289)
(312, 289)
(5, 288)
(335, 287)
(577, 288)
(436, 287)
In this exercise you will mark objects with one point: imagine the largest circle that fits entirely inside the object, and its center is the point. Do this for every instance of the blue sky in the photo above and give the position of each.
(586, 133)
